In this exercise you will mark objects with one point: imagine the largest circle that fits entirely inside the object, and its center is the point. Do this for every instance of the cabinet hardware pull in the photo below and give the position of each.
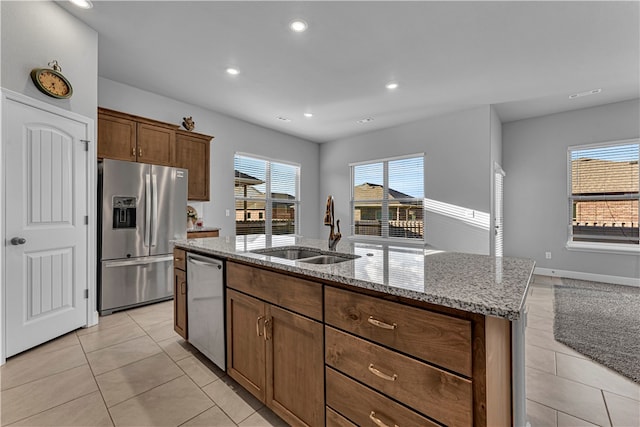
(133, 151)
(381, 374)
(258, 325)
(267, 325)
(183, 288)
(177, 259)
(379, 324)
(378, 421)
(140, 152)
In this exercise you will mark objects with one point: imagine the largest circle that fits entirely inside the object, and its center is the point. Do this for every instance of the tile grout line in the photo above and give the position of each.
(97, 385)
(606, 407)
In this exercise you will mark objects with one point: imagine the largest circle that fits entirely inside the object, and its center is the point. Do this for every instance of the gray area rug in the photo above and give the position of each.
(601, 321)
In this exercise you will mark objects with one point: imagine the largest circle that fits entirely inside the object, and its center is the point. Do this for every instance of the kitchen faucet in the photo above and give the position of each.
(334, 238)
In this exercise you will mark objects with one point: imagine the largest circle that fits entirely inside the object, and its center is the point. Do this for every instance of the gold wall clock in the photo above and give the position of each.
(50, 81)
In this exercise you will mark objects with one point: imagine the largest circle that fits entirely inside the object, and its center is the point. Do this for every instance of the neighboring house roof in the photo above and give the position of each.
(368, 191)
(593, 176)
(242, 178)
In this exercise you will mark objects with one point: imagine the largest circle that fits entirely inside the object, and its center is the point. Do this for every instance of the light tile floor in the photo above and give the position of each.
(564, 387)
(130, 370)
(133, 370)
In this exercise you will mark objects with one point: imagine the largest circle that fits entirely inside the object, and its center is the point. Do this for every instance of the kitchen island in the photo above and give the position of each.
(392, 335)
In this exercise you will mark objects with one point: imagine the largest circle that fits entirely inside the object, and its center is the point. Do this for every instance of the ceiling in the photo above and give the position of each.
(526, 58)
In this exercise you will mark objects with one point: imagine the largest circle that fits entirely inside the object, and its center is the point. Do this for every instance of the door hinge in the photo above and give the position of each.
(86, 220)
(86, 294)
(86, 144)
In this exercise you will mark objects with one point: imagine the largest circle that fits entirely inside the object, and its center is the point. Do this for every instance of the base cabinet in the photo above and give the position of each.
(180, 293)
(277, 355)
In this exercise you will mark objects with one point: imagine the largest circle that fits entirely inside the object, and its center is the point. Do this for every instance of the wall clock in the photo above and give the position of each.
(50, 81)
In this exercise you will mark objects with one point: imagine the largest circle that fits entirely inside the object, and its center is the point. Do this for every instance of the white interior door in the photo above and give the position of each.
(46, 235)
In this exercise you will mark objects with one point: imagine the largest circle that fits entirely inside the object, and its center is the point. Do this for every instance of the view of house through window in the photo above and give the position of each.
(388, 198)
(603, 193)
(266, 196)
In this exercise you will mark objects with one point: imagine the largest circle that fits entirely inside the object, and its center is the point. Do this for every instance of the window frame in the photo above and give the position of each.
(601, 247)
(269, 200)
(384, 234)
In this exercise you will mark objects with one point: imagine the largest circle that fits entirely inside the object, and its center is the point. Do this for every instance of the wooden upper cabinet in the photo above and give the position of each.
(124, 136)
(116, 137)
(155, 144)
(192, 153)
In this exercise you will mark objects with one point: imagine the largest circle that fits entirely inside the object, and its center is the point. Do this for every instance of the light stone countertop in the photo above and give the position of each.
(474, 283)
(202, 229)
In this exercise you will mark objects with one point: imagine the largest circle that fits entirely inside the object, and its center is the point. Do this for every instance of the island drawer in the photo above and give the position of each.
(334, 419)
(366, 407)
(437, 338)
(298, 295)
(438, 394)
(179, 259)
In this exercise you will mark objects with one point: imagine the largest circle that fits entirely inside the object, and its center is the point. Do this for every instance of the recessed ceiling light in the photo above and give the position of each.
(84, 4)
(233, 71)
(284, 119)
(391, 85)
(366, 120)
(308, 115)
(298, 26)
(586, 93)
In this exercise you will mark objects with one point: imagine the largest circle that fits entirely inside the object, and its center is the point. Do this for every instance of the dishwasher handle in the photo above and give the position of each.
(204, 262)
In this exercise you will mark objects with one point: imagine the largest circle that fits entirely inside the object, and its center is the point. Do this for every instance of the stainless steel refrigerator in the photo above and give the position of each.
(141, 208)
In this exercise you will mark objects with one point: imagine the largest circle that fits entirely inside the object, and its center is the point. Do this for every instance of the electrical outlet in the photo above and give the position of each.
(547, 255)
(226, 212)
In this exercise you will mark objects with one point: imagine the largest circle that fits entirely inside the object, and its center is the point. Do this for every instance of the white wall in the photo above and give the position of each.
(33, 34)
(457, 149)
(230, 136)
(536, 208)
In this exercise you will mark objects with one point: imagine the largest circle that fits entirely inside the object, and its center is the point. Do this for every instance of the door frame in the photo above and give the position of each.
(11, 96)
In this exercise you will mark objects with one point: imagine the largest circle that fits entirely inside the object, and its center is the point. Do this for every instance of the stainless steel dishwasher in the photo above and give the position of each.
(205, 307)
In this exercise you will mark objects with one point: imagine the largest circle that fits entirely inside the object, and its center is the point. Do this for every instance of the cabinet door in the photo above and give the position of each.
(192, 153)
(246, 345)
(295, 372)
(155, 144)
(116, 138)
(180, 303)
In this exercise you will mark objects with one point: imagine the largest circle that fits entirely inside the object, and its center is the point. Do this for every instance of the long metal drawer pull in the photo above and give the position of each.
(183, 288)
(378, 421)
(381, 374)
(177, 259)
(379, 324)
(258, 325)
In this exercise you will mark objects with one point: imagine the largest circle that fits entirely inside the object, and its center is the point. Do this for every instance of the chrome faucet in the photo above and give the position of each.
(334, 238)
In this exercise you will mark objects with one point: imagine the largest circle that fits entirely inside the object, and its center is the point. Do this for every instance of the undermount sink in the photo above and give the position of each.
(326, 259)
(297, 253)
(308, 255)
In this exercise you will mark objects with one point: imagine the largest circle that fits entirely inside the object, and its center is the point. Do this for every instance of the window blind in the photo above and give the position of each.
(388, 198)
(266, 196)
(603, 193)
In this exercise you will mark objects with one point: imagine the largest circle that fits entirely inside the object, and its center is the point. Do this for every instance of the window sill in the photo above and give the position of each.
(389, 241)
(610, 248)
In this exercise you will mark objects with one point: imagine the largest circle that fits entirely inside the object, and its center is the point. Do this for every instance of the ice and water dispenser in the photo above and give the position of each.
(124, 212)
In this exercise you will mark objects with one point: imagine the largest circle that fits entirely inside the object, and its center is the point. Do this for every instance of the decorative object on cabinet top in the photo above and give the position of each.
(192, 216)
(188, 123)
(51, 82)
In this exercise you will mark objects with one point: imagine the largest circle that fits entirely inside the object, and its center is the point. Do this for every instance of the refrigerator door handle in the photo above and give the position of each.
(148, 260)
(147, 210)
(154, 210)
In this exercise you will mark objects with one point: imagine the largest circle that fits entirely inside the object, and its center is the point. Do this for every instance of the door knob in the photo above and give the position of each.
(18, 241)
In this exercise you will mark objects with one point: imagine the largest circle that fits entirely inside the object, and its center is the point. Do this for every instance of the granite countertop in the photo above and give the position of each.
(203, 228)
(474, 283)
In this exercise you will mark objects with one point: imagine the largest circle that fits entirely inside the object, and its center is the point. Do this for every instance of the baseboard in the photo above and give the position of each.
(616, 280)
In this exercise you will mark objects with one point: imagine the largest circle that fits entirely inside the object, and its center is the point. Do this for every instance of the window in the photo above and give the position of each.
(603, 195)
(387, 198)
(266, 196)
